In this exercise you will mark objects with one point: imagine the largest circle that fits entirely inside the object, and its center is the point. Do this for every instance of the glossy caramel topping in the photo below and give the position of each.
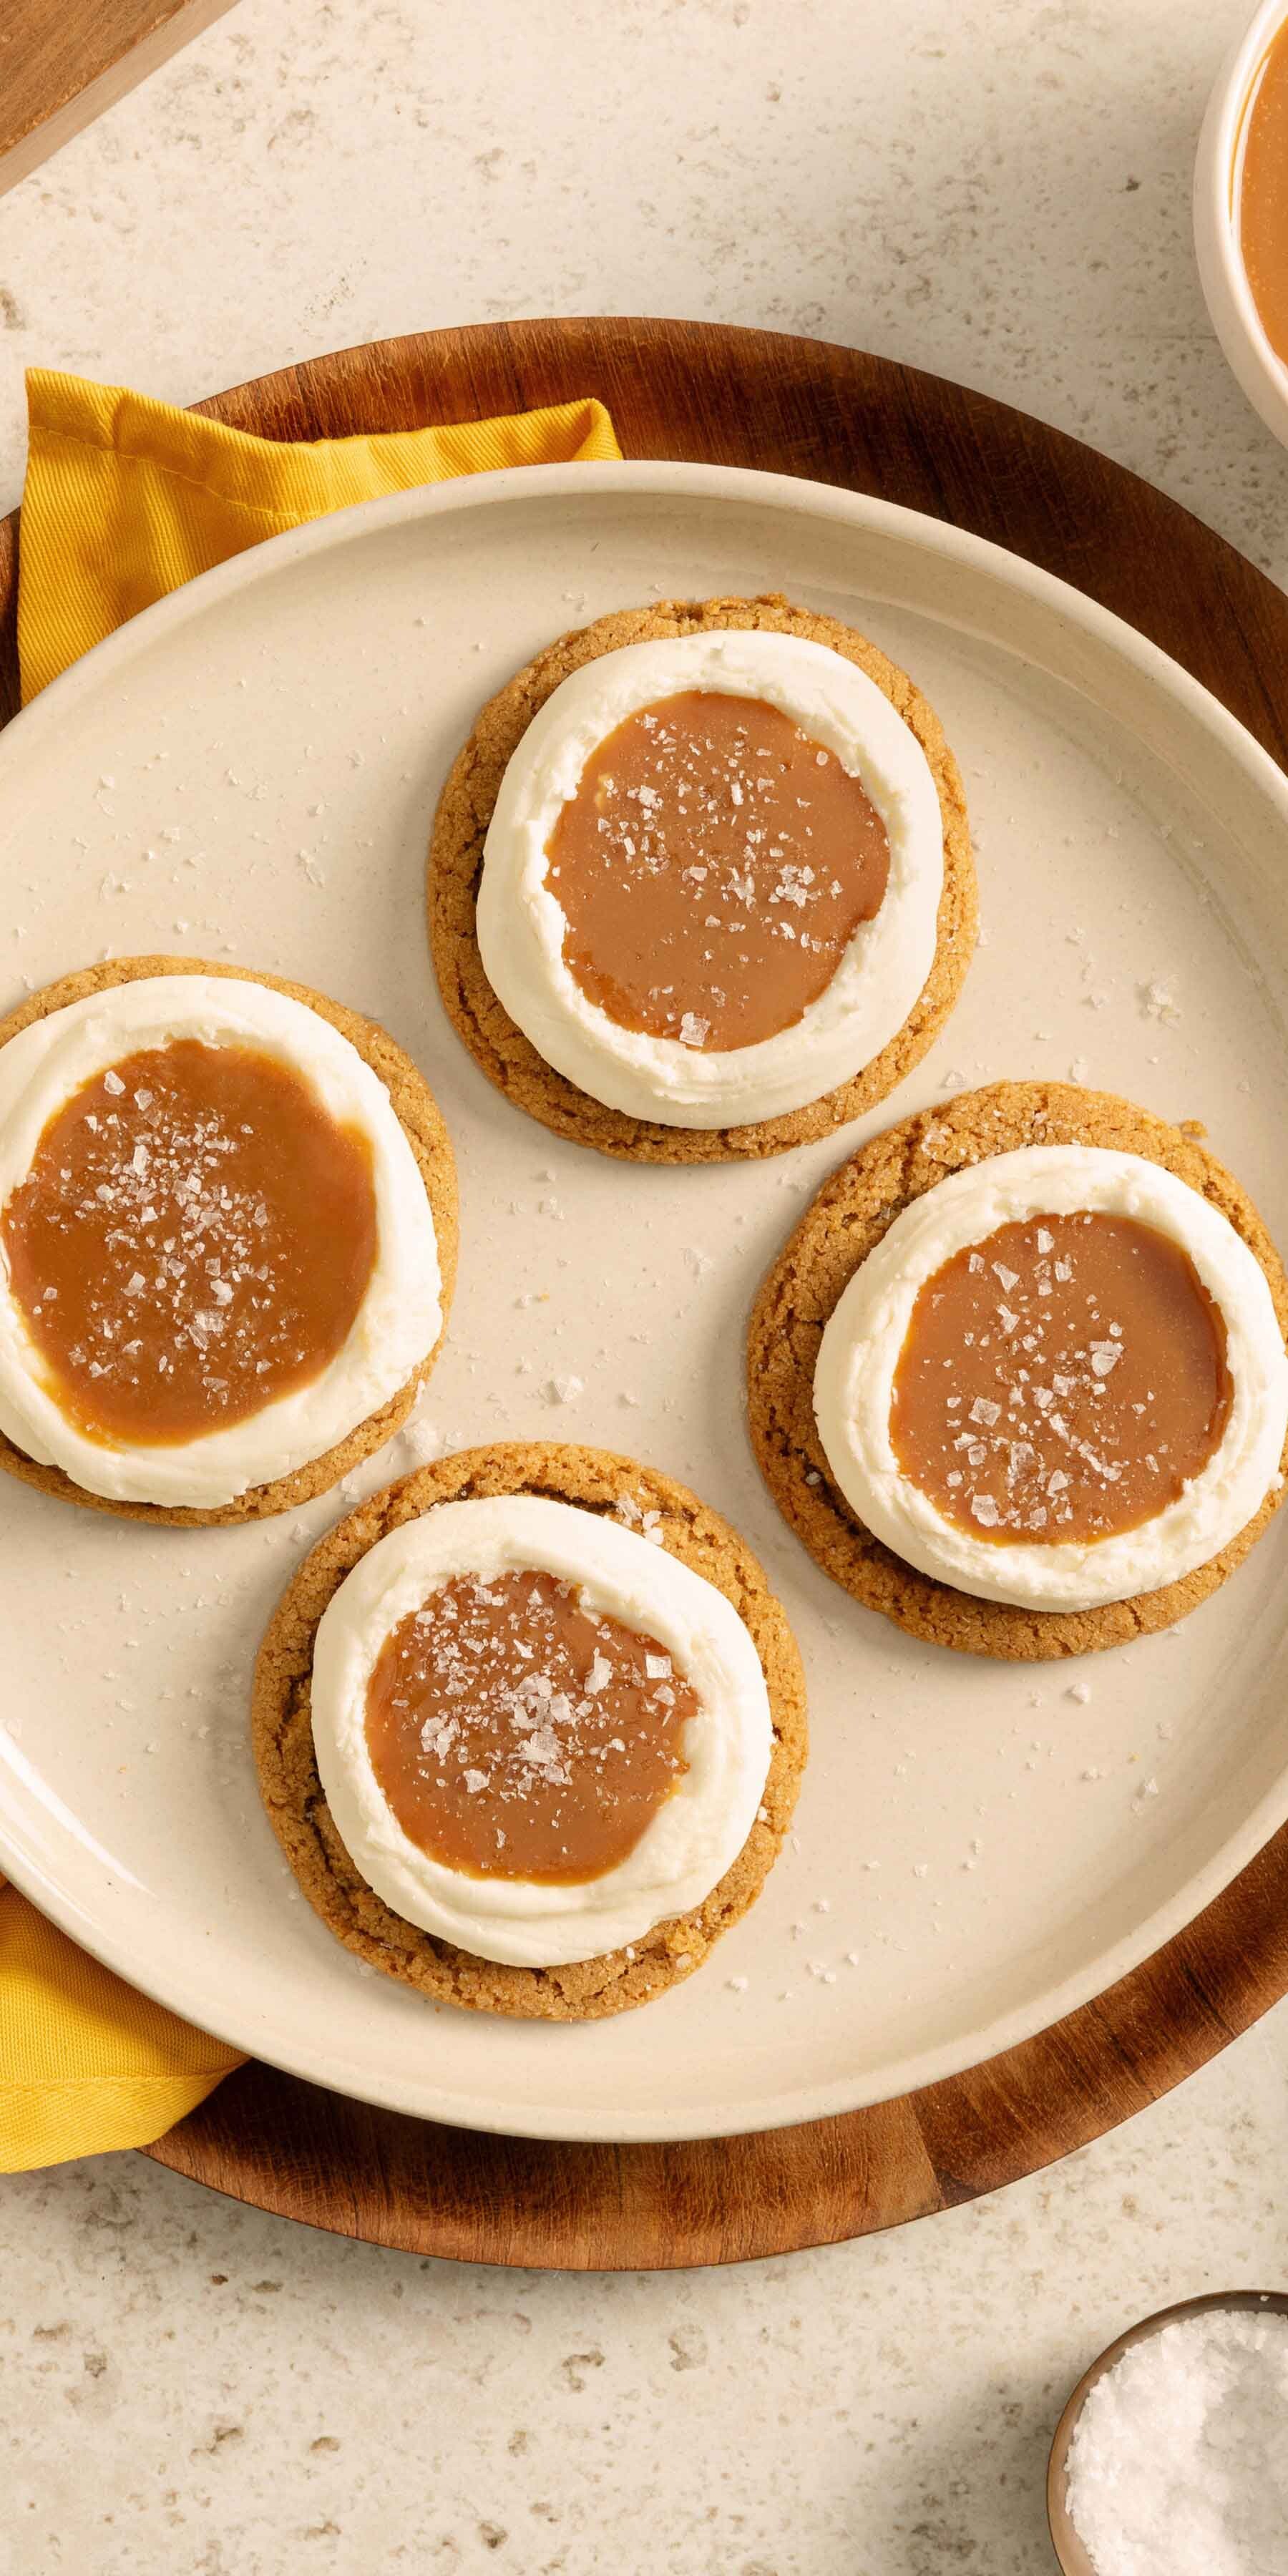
(1062, 1380)
(194, 1239)
(1263, 195)
(517, 1734)
(712, 868)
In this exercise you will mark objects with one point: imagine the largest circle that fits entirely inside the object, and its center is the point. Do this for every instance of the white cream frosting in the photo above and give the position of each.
(521, 925)
(854, 1380)
(694, 1835)
(400, 1316)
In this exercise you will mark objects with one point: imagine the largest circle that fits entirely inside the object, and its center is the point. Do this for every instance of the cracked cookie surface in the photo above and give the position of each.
(846, 1220)
(282, 1733)
(509, 1059)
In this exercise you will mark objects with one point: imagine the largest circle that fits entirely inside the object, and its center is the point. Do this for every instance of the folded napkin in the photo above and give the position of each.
(124, 499)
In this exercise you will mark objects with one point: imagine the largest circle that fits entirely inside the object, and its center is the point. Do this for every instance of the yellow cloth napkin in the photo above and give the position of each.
(125, 498)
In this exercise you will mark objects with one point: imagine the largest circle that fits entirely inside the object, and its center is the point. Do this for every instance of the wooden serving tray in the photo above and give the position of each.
(690, 390)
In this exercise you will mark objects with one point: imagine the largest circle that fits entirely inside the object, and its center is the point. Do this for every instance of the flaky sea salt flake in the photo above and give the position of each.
(564, 1390)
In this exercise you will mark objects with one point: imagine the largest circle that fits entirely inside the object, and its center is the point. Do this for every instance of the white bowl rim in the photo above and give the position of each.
(1231, 304)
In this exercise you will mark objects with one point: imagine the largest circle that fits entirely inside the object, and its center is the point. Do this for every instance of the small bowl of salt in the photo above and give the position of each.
(1171, 2457)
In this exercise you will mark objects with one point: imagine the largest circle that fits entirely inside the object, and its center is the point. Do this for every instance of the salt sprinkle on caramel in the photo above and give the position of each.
(712, 869)
(1061, 1381)
(517, 1734)
(193, 1239)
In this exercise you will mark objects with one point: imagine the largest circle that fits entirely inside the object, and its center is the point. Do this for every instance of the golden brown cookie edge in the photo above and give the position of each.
(281, 1731)
(840, 1227)
(512, 1064)
(422, 1122)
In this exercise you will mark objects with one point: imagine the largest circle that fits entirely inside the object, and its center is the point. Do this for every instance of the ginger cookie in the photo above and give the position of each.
(1096, 1371)
(725, 1053)
(274, 1194)
(612, 1498)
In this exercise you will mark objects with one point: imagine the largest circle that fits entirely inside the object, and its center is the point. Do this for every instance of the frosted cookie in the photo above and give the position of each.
(227, 1240)
(700, 883)
(1019, 1379)
(529, 1728)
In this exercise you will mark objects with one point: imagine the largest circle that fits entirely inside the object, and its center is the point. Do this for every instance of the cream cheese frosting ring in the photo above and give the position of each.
(831, 1320)
(692, 1836)
(866, 1334)
(522, 925)
(302, 1441)
(497, 930)
(637, 1546)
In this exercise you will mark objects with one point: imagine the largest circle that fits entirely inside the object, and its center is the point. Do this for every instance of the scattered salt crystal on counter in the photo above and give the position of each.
(1081, 1691)
(1179, 2458)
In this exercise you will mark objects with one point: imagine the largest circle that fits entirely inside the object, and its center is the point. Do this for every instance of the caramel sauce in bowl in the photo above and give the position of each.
(1241, 213)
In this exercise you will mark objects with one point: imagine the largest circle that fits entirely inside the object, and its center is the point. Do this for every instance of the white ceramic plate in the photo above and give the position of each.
(249, 771)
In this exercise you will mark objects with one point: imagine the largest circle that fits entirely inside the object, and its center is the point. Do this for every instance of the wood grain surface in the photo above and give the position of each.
(63, 61)
(692, 390)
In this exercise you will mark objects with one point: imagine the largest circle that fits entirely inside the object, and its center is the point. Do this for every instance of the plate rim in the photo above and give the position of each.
(812, 499)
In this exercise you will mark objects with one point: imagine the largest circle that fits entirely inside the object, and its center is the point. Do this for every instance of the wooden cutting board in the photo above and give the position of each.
(62, 62)
(692, 390)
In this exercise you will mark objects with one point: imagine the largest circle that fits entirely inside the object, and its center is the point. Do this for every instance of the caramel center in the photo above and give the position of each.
(1064, 1379)
(517, 1734)
(194, 1238)
(712, 868)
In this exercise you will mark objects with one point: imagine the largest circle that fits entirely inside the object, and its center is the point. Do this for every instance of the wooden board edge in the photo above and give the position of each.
(33, 128)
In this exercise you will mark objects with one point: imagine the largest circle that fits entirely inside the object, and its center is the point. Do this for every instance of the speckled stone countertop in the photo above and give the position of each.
(995, 189)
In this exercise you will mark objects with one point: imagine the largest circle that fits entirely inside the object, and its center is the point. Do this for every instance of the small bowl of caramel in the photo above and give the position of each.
(1241, 212)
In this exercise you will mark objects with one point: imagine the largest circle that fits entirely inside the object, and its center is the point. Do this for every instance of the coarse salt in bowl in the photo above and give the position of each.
(1172, 2451)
